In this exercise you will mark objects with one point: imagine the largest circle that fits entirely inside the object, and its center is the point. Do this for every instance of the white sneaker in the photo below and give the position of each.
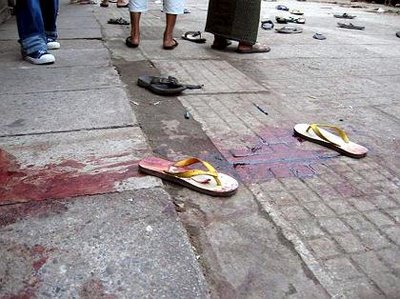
(40, 57)
(53, 45)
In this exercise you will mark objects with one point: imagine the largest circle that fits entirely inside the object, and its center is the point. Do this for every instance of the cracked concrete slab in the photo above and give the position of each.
(126, 245)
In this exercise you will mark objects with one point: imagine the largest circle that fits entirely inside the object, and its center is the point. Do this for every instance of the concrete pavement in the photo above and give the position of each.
(306, 222)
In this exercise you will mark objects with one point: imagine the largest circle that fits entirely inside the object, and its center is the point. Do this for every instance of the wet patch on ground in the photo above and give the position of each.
(64, 179)
(275, 153)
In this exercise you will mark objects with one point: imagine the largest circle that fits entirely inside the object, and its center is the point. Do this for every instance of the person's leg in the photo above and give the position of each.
(30, 26)
(136, 7)
(171, 8)
(135, 27)
(49, 13)
(169, 30)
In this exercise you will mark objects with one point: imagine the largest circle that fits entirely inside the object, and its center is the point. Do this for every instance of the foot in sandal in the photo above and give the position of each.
(341, 143)
(207, 181)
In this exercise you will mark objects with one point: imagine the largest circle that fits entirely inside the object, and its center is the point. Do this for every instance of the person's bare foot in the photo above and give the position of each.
(249, 48)
(122, 3)
(169, 42)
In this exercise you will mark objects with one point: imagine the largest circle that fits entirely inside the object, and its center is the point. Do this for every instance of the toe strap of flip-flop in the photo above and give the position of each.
(320, 134)
(192, 34)
(166, 80)
(194, 172)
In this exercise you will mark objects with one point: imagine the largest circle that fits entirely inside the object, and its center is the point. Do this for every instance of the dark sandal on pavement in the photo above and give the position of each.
(350, 26)
(119, 21)
(194, 36)
(344, 16)
(319, 36)
(289, 29)
(171, 47)
(129, 44)
(162, 85)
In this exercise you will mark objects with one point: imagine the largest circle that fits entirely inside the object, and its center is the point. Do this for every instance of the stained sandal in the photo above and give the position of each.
(341, 143)
(207, 181)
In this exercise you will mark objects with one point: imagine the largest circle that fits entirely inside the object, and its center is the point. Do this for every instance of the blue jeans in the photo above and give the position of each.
(36, 21)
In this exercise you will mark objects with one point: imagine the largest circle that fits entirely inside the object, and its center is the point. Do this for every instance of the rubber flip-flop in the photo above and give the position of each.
(299, 20)
(167, 86)
(289, 29)
(350, 26)
(207, 181)
(129, 44)
(118, 21)
(283, 20)
(341, 143)
(319, 36)
(103, 4)
(344, 16)
(256, 48)
(267, 25)
(194, 36)
(171, 47)
(282, 7)
(296, 12)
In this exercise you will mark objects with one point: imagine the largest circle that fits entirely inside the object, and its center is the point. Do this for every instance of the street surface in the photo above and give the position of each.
(77, 219)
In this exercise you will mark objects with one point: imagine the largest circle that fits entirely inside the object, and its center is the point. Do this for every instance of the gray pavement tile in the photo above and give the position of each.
(378, 218)
(78, 78)
(388, 283)
(64, 111)
(308, 228)
(369, 263)
(391, 257)
(374, 239)
(324, 248)
(349, 243)
(216, 75)
(127, 245)
(342, 269)
(333, 225)
(393, 233)
(112, 145)
(74, 33)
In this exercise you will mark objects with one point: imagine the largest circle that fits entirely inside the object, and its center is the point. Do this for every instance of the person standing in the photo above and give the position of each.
(36, 22)
(172, 8)
(236, 20)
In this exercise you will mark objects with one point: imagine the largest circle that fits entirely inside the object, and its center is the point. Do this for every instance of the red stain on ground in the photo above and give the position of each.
(34, 257)
(62, 180)
(28, 293)
(40, 255)
(275, 154)
(12, 213)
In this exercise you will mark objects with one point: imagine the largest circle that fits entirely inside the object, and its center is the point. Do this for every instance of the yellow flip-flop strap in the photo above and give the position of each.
(317, 131)
(195, 172)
